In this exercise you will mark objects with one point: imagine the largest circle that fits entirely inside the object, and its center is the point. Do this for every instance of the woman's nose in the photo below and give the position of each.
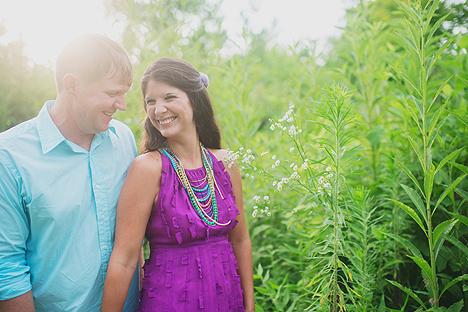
(160, 109)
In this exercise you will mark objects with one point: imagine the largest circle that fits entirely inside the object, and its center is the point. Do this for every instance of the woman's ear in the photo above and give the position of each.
(70, 82)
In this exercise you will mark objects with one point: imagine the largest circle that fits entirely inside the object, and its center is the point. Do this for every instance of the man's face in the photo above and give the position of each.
(95, 104)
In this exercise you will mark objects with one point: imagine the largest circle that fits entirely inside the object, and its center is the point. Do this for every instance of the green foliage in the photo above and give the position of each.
(24, 87)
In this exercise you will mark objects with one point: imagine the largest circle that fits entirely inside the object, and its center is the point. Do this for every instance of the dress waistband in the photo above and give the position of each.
(208, 240)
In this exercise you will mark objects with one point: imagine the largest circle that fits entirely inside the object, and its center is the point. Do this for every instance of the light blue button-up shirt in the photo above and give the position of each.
(57, 213)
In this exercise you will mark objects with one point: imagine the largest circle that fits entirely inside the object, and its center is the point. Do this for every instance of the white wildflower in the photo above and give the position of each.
(277, 162)
(291, 149)
(328, 169)
(272, 127)
(273, 157)
(305, 166)
(266, 197)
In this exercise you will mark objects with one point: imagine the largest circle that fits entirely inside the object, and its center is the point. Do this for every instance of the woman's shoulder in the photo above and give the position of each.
(231, 167)
(148, 163)
(220, 154)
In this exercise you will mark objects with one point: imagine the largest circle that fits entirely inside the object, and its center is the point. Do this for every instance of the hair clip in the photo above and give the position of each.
(204, 79)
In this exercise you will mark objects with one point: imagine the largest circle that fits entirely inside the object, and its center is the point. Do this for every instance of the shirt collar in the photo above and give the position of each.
(50, 136)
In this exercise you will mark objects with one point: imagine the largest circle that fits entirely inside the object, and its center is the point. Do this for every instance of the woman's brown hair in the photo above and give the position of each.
(182, 75)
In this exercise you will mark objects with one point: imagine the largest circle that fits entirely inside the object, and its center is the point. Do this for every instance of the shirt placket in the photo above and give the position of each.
(102, 210)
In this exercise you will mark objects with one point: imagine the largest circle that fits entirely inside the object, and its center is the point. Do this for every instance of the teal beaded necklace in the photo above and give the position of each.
(206, 206)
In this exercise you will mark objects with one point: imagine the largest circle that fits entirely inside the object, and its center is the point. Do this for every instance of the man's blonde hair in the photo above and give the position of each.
(93, 57)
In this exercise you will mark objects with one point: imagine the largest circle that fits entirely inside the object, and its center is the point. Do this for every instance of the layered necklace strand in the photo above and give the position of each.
(202, 195)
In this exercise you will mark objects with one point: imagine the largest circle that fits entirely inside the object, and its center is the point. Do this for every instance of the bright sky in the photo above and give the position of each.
(47, 25)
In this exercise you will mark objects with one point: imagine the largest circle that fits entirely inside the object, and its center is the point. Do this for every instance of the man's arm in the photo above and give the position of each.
(15, 283)
(23, 303)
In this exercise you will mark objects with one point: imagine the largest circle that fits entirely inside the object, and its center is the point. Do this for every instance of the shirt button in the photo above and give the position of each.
(97, 186)
(105, 247)
(102, 217)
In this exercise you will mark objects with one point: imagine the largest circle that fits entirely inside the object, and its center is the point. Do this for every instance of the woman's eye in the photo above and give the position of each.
(150, 102)
(170, 98)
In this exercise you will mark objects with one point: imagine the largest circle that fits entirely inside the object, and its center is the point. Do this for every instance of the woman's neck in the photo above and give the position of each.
(188, 153)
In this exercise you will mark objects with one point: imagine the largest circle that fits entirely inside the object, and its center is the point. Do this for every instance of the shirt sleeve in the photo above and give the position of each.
(14, 231)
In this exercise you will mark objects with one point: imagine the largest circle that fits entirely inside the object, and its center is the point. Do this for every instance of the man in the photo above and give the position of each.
(60, 178)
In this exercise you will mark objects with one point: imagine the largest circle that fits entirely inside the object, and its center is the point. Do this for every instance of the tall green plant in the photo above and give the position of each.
(332, 282)
(419, 38)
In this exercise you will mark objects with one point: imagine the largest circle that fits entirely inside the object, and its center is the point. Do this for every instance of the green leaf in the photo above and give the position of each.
(441, 50)
(416, 149)
(434, 133)
(424, 266)
(407, 79)
(430, 14)
(258, 229)
(412, 113)
(410, 175)
(435, 119)
(412, 214)
(458, 279)
(416, 199)
(409, 246)
(410, 42)
(461, 118)
(462, 193)
(419, 106)
(260, 269)
(407, 291)
(429, 181)
(461, 167)
(462, 219)
(448, 190)
(408, 11)
(434, 28)
(442, 228)
(463, 79)
(448, 158)
(458, 244)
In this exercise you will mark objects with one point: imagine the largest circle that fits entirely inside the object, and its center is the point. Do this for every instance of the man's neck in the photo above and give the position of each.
(63, 119)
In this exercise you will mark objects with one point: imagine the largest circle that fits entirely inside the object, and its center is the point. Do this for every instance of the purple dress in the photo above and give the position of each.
(192, 266)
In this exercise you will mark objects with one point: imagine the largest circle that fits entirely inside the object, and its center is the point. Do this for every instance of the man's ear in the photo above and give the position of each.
(70, 82)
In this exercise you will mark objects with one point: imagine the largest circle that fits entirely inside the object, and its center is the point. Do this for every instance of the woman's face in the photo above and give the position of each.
(169, 110)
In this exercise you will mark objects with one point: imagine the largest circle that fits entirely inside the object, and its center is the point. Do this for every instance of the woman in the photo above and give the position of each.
(189, 204)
